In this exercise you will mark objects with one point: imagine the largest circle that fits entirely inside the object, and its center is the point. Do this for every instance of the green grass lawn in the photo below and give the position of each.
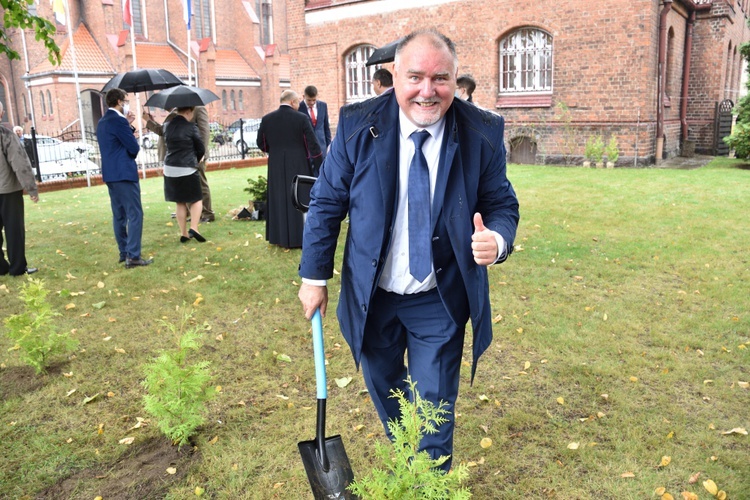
(621, 324)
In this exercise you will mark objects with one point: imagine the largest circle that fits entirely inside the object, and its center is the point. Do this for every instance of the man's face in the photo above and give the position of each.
(19, 132)
(424, 81)
(310, 101)
(376, 87)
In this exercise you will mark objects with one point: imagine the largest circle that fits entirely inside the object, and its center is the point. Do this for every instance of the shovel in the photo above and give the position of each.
(325, 459)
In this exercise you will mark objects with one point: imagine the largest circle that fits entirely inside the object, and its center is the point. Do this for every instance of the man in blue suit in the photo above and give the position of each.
(119, 148)
(317, 111)
(414, 270)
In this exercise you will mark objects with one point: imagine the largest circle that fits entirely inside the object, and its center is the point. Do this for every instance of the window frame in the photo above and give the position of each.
(539, 75)
(359, 88)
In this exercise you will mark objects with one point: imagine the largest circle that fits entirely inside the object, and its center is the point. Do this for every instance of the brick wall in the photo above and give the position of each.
(605, 64)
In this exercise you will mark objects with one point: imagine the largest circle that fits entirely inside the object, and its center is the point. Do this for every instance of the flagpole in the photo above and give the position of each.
(138, 110)
(78, 85)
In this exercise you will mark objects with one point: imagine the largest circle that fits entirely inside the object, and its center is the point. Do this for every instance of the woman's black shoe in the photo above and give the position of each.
(197, 236)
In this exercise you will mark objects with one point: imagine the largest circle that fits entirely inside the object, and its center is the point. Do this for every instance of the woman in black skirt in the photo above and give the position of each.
(182, 183)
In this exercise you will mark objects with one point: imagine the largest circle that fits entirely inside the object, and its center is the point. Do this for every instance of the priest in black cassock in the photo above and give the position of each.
(288, 138)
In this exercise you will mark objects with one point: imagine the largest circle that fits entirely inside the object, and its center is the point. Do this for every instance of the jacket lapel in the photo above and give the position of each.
(384, 132)
(447, 155)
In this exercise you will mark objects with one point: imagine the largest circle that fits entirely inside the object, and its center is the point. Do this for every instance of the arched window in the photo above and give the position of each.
(359, 76)
(231, 101)
(44, 106)
(49, 102)
(526, 62)
(224, 100)
(241, 104)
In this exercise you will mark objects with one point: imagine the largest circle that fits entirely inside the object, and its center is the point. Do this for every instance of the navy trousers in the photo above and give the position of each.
(127, 217)
(419, 326)
(12, 222)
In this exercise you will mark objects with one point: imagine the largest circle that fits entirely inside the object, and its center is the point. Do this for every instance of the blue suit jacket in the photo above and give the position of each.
(322, 126)
(118, 147)
(359, 178)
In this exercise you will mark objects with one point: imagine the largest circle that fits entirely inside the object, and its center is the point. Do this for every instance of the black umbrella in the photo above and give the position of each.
(182, 96)
(384, 54)
(141, 80)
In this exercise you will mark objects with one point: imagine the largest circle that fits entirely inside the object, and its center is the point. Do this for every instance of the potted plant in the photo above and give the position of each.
(258, 189)
(594, 151)
(612, 151)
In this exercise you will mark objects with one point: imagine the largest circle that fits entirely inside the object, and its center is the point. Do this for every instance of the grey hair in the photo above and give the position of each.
(439, 41)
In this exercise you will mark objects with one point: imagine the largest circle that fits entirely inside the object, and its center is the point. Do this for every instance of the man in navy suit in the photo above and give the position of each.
(399, 293)
(119, 148)
(317, 111)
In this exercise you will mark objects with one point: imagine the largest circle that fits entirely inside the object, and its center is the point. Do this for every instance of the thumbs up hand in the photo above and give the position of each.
(483, 243)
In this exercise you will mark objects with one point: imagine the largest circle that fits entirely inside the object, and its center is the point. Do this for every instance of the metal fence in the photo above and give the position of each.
(70, 154)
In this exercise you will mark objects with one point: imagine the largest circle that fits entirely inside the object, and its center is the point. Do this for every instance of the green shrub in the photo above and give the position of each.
(594, 148)
(258, 188)
(178, 390)
(612, 150)
(34, 331)
(406, 473)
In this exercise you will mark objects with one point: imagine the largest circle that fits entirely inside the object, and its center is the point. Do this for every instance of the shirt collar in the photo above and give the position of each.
(407, 127)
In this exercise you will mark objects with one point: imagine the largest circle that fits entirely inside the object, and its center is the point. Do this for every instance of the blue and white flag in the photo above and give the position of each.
(187, 12)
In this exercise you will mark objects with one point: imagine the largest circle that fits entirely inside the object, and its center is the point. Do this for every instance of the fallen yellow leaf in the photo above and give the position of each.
(70, 306)
(560, 400)
(127, 440)
(660, 491)
(485, 442)
(721, 495)
(689, 495)
(573, 446)
(736, 430)
(527, 365)
(710, 487)
(694, 478)
(627, 474)
(199, 491)
(667, 496)
(634, 379)
(171, 470)
(665, 460)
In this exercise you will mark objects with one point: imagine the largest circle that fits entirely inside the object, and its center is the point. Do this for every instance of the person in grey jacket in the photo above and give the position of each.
(15, 176)
(182, 183)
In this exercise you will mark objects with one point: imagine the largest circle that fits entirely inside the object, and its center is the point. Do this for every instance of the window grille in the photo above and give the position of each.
(359, 76)
(526, 61)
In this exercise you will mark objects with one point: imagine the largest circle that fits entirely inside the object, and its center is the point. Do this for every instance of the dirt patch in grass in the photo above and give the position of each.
(142, 473)
(20, 380)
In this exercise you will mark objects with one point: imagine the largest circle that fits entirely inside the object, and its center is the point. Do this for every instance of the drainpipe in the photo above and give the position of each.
(660, 81)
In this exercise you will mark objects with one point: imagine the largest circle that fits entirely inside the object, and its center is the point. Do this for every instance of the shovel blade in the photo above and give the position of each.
(330, 484)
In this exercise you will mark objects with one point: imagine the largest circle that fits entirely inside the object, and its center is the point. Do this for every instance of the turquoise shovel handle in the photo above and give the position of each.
(320, 359)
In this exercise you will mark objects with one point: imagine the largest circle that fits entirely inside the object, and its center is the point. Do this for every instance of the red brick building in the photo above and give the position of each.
(651, 73)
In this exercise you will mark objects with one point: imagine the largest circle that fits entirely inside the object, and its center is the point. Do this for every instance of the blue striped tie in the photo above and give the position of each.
(420, 254)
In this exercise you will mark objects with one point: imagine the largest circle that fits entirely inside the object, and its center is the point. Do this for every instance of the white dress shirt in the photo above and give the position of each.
(396, 276)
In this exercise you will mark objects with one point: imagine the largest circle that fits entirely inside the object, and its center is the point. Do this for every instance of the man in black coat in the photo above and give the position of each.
(288, 138)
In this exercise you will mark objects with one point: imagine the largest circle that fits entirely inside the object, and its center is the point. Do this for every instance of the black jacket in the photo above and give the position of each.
(184, 144)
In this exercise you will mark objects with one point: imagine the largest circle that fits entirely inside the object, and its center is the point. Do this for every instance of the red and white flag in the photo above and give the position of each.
(127, 13)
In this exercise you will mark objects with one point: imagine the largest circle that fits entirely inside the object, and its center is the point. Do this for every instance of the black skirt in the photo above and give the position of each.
(185, 189)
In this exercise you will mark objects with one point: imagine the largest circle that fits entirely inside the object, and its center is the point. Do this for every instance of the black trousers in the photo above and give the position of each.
(12, 223)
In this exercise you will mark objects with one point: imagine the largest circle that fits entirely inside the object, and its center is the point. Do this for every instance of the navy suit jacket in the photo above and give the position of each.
(360, 179)
(118, 147)
(322, 126)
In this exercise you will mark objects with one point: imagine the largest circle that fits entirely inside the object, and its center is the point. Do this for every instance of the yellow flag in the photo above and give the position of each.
(58, 7)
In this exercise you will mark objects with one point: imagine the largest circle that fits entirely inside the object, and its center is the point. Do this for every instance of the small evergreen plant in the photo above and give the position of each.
(594, 148)
(258, 188)
(177, 389)
(34, 331)
(612, 150)
(407, 473)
